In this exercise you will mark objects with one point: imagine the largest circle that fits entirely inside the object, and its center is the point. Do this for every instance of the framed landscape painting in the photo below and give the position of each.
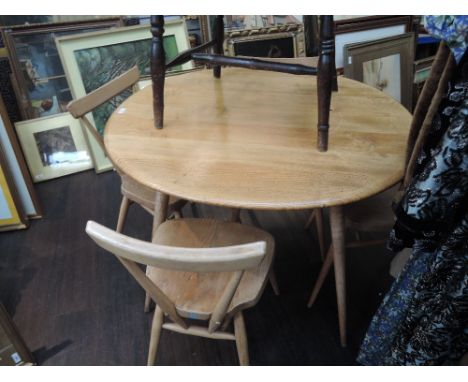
(91, 60)
(385, 64)
(54, 146)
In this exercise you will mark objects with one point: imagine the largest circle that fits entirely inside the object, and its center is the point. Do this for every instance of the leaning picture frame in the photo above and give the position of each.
(12, 215)
(54, 146)
(17, 165)
(385, 64)
(361, 29)
(90, 60)
(283, 41)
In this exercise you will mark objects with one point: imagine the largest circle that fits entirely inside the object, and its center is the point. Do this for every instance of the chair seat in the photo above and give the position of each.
(373, 214)
(196, 294)
(143, 195)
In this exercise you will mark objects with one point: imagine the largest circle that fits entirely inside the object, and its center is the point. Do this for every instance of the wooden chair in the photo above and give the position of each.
(325, 70)
(132, 192)
(199, 269)
(374, 214)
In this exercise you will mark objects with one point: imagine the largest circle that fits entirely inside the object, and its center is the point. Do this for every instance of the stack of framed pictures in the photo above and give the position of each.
(20, 185)
(39, 79)
(361, 29)
(385, 64)
(90, 60)
(12, 215)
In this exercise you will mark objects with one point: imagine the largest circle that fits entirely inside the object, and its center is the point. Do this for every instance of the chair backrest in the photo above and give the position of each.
(82, 106)
(131, 251)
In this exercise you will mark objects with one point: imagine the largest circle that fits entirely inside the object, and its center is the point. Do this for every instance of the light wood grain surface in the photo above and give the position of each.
(248, 140)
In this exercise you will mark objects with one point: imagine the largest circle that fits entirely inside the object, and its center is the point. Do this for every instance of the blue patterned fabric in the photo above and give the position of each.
(423, 320)
(452, 29)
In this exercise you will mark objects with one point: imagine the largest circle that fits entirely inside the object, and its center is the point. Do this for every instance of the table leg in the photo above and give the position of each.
(338, 239)
(160, 213)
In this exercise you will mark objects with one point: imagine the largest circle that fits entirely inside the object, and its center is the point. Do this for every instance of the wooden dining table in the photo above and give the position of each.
(249, 141)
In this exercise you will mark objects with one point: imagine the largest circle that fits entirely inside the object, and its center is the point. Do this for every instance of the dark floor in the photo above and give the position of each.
(75, 305)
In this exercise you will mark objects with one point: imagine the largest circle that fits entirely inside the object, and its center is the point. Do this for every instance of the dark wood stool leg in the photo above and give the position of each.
(333, 64)
(218, 47)
(324, 80)
(158, 69)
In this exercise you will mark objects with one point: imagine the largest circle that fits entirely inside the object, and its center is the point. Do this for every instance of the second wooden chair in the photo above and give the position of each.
(200, 269)
(132, 192)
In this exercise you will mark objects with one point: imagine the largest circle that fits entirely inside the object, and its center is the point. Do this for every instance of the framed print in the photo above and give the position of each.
(282, 41)
(16, 163)
(384, 64)
(42, 87)
(11, 213)
(91, 60)
(54, 146)
(362, 29)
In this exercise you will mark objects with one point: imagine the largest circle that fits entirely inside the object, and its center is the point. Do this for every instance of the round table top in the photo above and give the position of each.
(248, 140)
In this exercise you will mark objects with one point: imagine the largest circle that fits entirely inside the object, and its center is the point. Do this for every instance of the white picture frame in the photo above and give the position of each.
(54, 146)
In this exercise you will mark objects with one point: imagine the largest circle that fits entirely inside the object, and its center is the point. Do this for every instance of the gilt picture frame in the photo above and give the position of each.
(12, 215)
(17, 166)
(386, 64)
(92, 59)
(54, 146)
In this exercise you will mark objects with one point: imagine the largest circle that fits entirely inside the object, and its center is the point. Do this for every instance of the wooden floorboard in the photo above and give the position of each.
(76, 305)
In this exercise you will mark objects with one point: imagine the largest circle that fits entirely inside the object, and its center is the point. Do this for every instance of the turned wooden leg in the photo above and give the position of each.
(156, 329)
(338, 241)
(235, 215)
(122, 213)
(310, 220)
(324, 80)
(319, 226)
(158, 69)
(321, 277)
(218, 47)
(241, 339)
(273, 281)
(160, 213)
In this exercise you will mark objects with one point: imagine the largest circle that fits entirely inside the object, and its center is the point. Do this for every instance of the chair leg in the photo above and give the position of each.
(310, 220)
(338, 239)
(122, 213)
(147, 303)
(241, 339)
(273, 281)
(148, 298)
(321, 277)
(235, 215)
(156, 329)
(319, 226)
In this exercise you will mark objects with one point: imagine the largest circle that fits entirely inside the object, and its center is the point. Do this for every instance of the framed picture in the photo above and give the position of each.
(54, 146)
(16, 163)
(282, 41)
(91, 60)
(42, 88)
(11, 213)
(362, 29)
(7, 89)
(197, 29)
(385, 64)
